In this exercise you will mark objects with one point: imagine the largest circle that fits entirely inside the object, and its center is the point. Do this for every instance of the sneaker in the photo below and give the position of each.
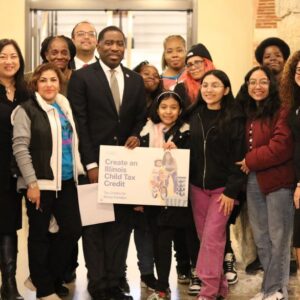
(258, 296)
(123, 285)
(183, 278)
(195, 284)
(275, 296)
(148, 281)
(229, 268)
(159, 296)
(29, 284)
(254, 267)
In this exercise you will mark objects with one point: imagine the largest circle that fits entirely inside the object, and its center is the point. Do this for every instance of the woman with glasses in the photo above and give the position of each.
(290, 94)
(268, 163)
(217, 143)
(198, 61)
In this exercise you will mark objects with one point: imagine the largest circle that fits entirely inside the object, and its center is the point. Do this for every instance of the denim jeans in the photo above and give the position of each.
(271, 219)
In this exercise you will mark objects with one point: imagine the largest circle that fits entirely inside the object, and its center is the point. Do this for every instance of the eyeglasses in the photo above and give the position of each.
(213, 86)
(196, 64)
(90, 34)
(262, 82)
(297, 71)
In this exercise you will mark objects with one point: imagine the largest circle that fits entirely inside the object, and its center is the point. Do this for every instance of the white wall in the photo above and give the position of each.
(12, 21)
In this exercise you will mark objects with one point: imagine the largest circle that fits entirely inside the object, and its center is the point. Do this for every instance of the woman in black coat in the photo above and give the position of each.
(12, 92)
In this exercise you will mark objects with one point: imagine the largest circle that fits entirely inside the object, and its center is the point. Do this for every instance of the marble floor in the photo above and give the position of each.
(246, 287)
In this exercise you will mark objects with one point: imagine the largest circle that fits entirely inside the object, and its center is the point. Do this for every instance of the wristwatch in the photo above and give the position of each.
(33, 185)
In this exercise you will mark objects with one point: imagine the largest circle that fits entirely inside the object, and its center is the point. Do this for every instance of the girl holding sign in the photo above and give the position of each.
(217, 143)
(165, 129)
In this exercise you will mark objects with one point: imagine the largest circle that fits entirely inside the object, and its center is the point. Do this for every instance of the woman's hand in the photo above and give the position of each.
(34, 194)
(244, 167)
(226, 204)
(297, 197)
(169, 145)
(132, 142)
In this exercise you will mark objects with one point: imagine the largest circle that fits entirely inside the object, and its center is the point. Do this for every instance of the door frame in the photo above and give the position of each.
(32, 6)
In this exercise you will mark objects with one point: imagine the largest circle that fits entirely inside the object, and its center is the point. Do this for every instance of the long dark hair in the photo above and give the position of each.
(268, 107)
(20, 84)
(227, 102)
(154, 114)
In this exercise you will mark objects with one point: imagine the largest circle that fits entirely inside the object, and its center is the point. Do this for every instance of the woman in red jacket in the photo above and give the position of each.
(271, 177)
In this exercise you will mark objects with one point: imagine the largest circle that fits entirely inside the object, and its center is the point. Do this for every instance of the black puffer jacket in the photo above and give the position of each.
(214, 152)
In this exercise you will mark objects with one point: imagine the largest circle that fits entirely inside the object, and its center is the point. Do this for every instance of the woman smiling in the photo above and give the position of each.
(45, 145)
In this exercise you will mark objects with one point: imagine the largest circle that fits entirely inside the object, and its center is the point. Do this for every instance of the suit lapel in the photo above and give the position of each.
(127, 85)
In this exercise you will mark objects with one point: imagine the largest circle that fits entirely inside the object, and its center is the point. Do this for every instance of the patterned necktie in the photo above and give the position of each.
(115, 89)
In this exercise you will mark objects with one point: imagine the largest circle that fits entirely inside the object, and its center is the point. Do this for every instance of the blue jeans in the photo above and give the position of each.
(271, 219)
(143, 239)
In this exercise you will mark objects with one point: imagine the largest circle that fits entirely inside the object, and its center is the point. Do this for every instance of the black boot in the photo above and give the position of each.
(8, 262)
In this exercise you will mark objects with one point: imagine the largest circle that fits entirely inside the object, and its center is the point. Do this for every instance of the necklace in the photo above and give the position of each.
(8, 89)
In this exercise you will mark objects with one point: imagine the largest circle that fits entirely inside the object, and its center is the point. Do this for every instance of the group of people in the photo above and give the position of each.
(54, 119)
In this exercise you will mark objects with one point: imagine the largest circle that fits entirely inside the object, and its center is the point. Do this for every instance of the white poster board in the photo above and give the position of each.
(143, 176)
(92, 212)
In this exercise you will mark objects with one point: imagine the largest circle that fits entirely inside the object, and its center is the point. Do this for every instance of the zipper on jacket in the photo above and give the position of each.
(57, 137)
(204, 148)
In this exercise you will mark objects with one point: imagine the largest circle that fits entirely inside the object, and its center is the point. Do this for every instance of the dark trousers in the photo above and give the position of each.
(105, 251)
(48, 255)
(163, 237)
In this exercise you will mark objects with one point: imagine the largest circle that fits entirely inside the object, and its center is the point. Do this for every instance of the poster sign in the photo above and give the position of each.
(91, 211)
(143, 176)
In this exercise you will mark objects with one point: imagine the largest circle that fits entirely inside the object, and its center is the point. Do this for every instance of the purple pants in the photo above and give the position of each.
(211, 229)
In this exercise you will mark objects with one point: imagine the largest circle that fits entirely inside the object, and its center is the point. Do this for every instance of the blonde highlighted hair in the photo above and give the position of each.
(166, 40)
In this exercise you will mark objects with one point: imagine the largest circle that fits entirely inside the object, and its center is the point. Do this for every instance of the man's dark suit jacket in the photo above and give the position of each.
(97, 118)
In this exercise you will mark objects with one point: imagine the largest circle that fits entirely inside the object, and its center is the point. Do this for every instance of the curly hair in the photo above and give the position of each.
(289, 91)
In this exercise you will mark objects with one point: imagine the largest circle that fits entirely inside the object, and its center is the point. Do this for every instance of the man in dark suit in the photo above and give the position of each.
(108, 101)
